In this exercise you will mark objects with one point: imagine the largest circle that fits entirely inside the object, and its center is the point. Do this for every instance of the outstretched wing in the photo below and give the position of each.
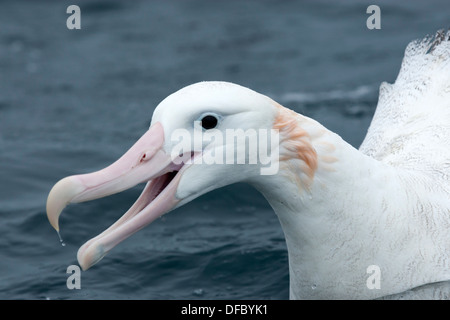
(411, 125)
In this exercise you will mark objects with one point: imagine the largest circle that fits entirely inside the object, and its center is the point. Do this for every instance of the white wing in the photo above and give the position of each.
(411, 125)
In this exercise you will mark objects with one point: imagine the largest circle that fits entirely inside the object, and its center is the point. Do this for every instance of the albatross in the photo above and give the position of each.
(347, 214)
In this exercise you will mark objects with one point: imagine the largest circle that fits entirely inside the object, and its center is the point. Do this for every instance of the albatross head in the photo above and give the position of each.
(177, 165)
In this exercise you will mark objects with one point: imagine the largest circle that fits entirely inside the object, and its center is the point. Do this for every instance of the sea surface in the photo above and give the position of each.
(73, 101)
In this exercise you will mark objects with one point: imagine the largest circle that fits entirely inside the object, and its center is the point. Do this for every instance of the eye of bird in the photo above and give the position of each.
(209, 122)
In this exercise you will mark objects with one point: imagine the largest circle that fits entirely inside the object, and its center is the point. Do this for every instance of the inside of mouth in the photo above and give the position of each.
(146, 208)
(157, 185)
(151, 191)
(162, 182)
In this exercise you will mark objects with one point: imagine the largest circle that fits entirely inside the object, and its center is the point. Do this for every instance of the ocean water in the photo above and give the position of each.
(73, 101)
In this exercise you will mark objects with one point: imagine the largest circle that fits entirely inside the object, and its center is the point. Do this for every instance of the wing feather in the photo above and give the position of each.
(411, 125)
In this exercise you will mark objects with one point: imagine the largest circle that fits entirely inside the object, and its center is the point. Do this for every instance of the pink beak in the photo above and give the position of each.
(144, 161)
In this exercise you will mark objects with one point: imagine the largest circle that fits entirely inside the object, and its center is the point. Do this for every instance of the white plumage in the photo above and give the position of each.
(410, 131)
(343, 211)
(389, 204)
(411, 125)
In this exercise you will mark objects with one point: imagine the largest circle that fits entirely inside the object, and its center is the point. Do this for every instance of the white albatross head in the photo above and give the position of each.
(171, 181)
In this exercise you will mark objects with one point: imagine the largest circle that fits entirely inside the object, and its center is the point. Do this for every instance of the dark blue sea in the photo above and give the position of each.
(73, 101)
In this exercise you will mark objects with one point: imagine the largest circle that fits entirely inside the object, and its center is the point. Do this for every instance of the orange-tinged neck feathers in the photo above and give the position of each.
(295, 142)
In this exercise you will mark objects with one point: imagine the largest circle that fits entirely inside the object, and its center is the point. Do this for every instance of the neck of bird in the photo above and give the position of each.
(344, 237)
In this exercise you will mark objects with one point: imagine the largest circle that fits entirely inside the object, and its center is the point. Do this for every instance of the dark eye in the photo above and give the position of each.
(209, 122)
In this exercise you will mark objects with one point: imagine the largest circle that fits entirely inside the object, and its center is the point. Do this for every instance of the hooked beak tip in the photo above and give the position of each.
(59, 197)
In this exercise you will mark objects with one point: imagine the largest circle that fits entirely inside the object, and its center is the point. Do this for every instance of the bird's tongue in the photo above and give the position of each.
(144, 161)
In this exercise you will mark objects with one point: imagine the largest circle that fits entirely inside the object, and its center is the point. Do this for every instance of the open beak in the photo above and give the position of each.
(144, 161)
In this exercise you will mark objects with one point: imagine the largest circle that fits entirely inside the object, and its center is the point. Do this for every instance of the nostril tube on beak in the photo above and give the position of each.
(145, 157)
